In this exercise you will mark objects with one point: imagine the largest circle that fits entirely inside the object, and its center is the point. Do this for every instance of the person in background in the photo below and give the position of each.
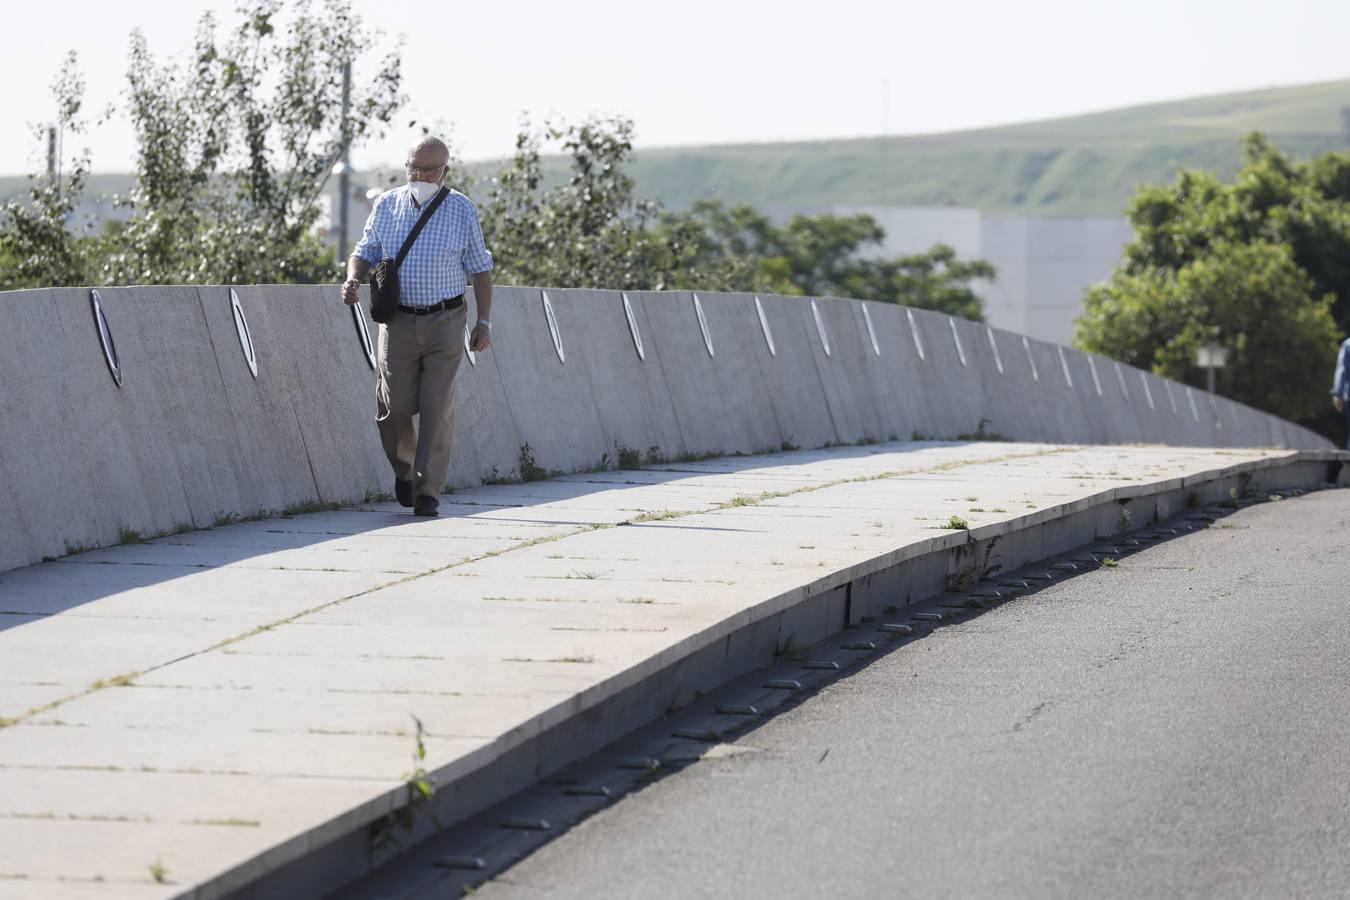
(1340, 398)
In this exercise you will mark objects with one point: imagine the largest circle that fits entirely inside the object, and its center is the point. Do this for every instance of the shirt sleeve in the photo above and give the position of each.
(1338, 383)
(477, 257)
(369, 247)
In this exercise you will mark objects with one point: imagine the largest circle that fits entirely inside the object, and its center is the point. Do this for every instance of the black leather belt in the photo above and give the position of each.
(452, 303)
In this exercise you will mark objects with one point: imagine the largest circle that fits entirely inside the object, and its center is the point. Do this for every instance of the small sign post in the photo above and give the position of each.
(1211, 358)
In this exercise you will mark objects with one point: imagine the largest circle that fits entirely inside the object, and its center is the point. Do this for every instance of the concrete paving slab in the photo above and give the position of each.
(391, 560)
(223, 749)
(283, 710)
(50, 850)
(167, 798)
(17, 698)
(276, 680)
(81, 650)
(41, 889)
(167, 592)
(432, 677)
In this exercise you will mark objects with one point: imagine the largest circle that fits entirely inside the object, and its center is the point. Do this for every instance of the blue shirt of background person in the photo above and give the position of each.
(1340, 385)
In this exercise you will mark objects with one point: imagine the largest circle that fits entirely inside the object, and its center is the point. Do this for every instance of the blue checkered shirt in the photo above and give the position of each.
(449, 248)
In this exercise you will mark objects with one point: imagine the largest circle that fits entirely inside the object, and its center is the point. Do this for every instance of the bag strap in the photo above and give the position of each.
(417, 229)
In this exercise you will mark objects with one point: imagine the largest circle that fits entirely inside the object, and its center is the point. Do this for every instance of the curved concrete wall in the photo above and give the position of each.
(192, 436)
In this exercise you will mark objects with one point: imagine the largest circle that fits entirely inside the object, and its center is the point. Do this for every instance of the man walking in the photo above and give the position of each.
(420, 349)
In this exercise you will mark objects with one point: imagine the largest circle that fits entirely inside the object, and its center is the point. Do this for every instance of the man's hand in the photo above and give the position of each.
(349, 291)
(480, 338)
(1338, 403)
(357, 270)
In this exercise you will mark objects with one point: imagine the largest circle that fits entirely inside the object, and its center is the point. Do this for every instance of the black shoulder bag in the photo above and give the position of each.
(384, 278)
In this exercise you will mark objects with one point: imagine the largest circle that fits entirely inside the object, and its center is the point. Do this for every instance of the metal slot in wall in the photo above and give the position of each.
(245, 336)
(764, 326)
(633, 328)
(553, 326)
(105, 337)
(703, 325)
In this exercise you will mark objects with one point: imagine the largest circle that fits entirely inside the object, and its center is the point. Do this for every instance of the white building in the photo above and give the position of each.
(1044, 264)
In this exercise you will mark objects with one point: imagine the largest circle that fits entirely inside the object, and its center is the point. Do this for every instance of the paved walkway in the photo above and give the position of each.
(173, 710)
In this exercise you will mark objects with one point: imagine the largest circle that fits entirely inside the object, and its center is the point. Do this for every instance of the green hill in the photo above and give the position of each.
(1081, 165)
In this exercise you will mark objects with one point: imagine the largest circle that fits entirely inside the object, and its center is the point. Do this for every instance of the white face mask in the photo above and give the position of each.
(423, 191)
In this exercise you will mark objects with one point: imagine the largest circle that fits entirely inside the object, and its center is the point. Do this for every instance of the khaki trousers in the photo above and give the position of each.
(419, 357)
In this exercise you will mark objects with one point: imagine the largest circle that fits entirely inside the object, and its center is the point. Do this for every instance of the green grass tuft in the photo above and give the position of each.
(532, 471)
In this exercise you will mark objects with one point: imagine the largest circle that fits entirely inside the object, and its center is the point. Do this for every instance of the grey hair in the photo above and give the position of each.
(428, 140)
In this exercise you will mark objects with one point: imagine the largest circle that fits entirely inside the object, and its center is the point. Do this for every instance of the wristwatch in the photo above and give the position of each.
(486, 324)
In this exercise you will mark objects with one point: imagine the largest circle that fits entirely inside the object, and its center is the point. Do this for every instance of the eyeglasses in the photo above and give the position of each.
(423, 170)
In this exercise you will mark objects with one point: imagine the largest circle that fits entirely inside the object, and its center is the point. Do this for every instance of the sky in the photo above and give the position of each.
(703, 71)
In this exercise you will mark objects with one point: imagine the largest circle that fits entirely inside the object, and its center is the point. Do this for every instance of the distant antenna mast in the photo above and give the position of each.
(345, 166)
(885, 123)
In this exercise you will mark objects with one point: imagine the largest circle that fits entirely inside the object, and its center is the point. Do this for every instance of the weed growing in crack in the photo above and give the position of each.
(629, 457)
(601, 466)
(532, 471)
(496, 477)
(659, 516)
(981, 434)
(693, 456)
(977, 570)
(421, 788)
(309, 506)
(787, 648)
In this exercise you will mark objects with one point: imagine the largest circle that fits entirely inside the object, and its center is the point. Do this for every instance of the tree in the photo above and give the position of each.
(591, 231)
(1252, 298)
(37, 249)
(234, 151)
(740, 249)
(585, 232)
(936, 280)
(1261, 265)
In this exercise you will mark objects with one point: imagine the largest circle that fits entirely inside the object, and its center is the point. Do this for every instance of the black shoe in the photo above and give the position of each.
(427, 506)
(403, 492)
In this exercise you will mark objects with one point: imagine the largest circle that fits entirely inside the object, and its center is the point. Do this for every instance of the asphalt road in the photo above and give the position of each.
(1176, 726)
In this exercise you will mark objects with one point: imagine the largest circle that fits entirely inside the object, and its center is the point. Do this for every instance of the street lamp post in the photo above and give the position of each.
(1211, 358)
(343, 168)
